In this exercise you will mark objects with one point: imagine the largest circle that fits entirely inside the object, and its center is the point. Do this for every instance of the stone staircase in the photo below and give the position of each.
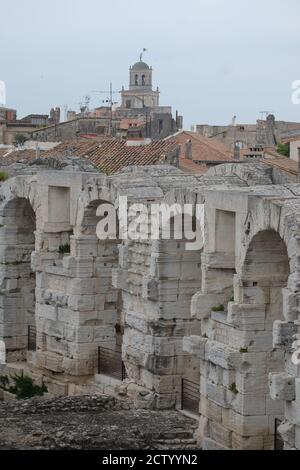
(178, 439)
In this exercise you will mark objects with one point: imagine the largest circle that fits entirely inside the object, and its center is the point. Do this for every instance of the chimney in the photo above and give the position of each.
(237, 152)
(189, 150)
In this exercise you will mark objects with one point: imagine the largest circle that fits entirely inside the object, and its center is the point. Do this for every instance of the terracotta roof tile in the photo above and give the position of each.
(26, 155)
(111, 155)
(203, 149)
(188, 166)
(72, 148)
(282, 163)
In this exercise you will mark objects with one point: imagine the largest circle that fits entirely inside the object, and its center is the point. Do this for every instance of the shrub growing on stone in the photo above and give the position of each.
(24, 387)
(3, 176)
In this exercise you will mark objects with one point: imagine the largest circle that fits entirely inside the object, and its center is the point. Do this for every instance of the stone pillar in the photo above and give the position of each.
(76, 304)
(157, 280)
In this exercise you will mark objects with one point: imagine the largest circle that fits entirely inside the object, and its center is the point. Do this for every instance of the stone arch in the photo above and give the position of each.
(17, 234)
(105, 257)
(255, 312)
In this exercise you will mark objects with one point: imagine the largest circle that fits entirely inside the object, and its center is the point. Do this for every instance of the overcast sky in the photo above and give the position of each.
(212, 59)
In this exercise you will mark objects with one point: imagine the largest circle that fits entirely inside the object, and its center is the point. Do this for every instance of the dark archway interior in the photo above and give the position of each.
(18, 279)
(107, 259)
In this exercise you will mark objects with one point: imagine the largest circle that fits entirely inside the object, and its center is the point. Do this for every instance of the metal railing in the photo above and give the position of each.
(110, 363)
(278, 441)
(190, 396)
(31, 346)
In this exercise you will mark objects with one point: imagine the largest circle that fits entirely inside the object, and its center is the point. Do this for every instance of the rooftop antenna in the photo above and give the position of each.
(141, 54)
(110, 101)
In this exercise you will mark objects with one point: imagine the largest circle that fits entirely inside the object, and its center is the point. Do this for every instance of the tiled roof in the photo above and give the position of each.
(288, 140)
(112, 156)
(189, 167)
(203, 149)
(72, 148)
(282, 163)
(17, 156)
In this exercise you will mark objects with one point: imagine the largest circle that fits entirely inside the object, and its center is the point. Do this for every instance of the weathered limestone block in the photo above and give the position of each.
(161, 383)
(48, 312)
(202, 304)
(246, 425)
(210, 409)
(287, 432)
(123, 256)
(255, 383)
(297, 390)
(274, 408)
(79, 334)
(142, 398)
(174, 310)
(84, 246)
(150, 289)
(247, 316)
(120, 279)
(247, 443)
(292, 412)
(82, 302)
(164, 365)
(297, 438)
(49, 360)
(222, 355)
(210, 444)
(84, 286)
(15, 253)
(215, 374)
(283, 334)
(194, 345)
(290, 302)
(282, 387)
(216, 393)
(78, 367)
(78, 267)
(50, 327)
(249, 405)
(220, 434)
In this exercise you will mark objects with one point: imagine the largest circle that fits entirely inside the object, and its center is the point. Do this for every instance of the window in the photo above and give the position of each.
(225, 232)
(136, 80)
(143, 79)
(128, 104)
(58, 204)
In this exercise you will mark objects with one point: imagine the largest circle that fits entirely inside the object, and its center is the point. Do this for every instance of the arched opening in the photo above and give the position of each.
(143, 80)
(180, 272)
(109, 327)
(136, 79)
(17, 307)
(265, 273)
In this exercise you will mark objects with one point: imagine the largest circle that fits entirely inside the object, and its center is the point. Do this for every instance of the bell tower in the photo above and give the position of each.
(140, 93)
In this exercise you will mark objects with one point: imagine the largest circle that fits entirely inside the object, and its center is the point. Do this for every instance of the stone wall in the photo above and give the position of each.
(224, 316)
(248, 313)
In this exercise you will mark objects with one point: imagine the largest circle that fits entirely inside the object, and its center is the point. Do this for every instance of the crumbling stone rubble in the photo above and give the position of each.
(92, 422)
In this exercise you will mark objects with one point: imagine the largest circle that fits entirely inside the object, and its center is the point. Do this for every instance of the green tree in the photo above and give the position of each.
(20, 139)
(284, 149)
